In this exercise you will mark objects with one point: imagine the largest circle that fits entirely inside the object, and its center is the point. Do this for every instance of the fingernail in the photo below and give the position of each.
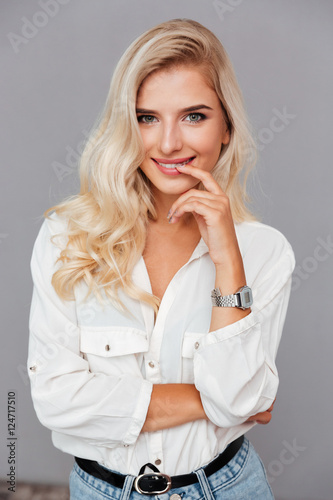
(170, 217)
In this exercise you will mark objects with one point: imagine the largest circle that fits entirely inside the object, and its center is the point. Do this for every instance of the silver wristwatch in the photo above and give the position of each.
(242, 298)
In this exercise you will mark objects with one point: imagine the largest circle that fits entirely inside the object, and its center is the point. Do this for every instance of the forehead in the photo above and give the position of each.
(171, 85)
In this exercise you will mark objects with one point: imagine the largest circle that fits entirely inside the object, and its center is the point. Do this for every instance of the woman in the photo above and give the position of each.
(149, 359)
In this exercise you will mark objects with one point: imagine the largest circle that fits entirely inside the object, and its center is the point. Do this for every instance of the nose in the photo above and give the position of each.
(170, 138)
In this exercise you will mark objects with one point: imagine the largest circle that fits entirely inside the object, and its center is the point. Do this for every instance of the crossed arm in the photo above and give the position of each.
(177, 404)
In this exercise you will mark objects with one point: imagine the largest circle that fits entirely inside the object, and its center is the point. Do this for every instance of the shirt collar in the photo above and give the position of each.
(200, 249)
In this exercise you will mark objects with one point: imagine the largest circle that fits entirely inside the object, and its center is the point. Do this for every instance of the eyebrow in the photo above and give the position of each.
(184, 110)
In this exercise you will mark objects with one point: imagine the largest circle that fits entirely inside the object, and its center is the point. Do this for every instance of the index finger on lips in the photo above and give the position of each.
(205, 177)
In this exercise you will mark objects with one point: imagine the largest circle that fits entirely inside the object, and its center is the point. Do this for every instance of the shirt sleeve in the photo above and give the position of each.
(234, 367)
(101, 409)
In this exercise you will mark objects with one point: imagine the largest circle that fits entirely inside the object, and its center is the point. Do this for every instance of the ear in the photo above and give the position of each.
(226, 137)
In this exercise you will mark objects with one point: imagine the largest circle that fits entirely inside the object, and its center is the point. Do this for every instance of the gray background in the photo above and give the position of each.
(52, 89)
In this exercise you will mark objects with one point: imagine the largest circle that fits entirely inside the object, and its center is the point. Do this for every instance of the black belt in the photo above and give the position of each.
(157, 482)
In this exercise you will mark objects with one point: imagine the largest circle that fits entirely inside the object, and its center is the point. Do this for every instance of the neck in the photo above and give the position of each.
(163, 203)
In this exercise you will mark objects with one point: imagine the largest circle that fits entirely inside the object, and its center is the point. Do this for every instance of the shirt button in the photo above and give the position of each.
(175, 497)
(196, 345)
(151, 364)
(107, 347)
(33, 368)
(158, 462)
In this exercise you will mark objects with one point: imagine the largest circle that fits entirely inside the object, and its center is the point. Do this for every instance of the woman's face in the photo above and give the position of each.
(181, 120)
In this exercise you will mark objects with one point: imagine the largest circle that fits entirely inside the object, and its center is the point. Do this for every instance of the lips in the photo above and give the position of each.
(174, 163)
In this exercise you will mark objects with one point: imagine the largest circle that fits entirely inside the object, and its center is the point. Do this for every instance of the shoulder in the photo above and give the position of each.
(256, 235)
(264, 249)
(52, 226)
(52, 237)
(55, 224)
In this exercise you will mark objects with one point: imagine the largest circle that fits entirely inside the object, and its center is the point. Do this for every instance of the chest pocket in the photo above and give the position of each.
(191, 343)
(113, 342)
(114, 350)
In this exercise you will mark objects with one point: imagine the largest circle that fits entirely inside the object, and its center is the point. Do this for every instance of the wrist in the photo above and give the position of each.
(230, 258)
(229, 280)
(242, 298)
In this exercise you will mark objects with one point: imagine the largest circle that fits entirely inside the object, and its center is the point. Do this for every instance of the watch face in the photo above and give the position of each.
(246, 297)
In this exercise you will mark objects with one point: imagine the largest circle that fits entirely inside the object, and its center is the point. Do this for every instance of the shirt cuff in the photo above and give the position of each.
(230, 331)
(140, 413)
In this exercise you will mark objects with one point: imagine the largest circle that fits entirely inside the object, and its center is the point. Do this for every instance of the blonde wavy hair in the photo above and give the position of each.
(107, 220)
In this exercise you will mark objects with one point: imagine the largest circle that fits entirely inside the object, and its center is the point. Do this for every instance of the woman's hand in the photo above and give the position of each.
(211, 210)
(263, 417)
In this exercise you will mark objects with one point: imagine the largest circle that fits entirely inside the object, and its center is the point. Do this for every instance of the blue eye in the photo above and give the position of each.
(195, 117)
(146, 118)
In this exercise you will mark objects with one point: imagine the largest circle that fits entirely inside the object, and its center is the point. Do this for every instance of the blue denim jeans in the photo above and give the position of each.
(243, 478)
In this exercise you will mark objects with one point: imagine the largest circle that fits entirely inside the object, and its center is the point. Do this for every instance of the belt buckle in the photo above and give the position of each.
(150, 479)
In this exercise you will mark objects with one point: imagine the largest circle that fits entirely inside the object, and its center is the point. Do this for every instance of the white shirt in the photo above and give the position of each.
(92, 369)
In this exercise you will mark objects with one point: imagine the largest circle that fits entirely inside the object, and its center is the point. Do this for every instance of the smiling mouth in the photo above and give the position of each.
(174, 165)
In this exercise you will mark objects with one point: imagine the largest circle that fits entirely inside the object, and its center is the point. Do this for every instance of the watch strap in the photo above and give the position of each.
(241, 299)
(222, 301)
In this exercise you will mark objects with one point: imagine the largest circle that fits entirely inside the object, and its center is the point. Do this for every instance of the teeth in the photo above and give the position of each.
(173, 165)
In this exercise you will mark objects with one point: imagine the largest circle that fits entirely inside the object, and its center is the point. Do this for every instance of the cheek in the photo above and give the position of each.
(210, 145)
(148, 137)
